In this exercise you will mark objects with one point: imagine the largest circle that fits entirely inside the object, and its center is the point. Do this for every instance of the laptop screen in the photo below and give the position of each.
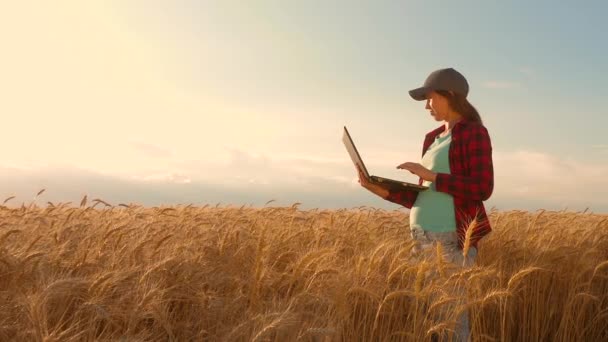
(352, 151)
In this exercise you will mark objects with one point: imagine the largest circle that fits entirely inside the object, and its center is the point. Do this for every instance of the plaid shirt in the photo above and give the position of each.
(471, 178)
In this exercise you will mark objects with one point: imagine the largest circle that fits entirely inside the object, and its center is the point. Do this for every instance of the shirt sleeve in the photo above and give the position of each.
(479, 184)
(406, 198)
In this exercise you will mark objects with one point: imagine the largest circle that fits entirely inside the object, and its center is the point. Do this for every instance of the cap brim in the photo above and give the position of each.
(419, 94)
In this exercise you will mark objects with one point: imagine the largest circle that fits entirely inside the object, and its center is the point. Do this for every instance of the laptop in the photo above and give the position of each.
(386, 182)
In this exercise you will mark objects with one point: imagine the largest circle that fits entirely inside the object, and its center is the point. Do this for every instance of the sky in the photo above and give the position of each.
(241, 103)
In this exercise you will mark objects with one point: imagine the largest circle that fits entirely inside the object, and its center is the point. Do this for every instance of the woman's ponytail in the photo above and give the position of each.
(461, 105)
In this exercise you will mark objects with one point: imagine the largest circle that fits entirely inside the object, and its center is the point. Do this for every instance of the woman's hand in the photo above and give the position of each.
(375, 188)
(419, 171)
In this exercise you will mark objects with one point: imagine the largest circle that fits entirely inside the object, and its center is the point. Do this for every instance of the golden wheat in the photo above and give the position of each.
(213, 273)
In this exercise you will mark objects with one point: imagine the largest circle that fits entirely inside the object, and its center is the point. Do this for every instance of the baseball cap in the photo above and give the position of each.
(442, 79)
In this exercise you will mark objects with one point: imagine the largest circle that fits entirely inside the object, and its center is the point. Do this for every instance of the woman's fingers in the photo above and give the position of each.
(409, 166)
(361, 178)
(406, 165)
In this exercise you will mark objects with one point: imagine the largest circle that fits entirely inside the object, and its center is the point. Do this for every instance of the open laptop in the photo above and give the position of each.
(386, 182)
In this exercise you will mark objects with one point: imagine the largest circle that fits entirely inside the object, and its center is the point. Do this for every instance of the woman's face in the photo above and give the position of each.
(438, 106)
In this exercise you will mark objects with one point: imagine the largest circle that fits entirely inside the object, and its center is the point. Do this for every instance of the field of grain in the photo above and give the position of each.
(98, 272)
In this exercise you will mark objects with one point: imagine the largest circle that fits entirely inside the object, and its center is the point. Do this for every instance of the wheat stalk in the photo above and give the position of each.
(467, 239)
(420, 277)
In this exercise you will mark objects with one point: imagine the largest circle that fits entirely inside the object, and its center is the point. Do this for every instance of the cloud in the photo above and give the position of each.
(526, 175)
(164, 177)
(271, 172)
(524, 179)
(70, 185)
(151, 150)
(501, 85)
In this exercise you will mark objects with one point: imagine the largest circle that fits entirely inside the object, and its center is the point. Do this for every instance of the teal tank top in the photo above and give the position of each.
(433, 210)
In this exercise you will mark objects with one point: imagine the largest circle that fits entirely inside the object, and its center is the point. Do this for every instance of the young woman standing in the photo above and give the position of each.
(457, 167)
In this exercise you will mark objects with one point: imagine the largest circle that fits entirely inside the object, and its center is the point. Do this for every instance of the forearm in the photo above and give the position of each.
(471, 187)
(379, 191)
(406, 198)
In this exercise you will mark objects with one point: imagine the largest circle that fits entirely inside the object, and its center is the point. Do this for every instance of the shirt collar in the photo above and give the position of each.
(438, 130)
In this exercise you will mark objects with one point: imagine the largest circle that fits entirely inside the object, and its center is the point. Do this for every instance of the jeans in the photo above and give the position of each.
(452, 253)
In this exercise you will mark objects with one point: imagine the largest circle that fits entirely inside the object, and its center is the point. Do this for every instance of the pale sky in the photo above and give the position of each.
(172, 102)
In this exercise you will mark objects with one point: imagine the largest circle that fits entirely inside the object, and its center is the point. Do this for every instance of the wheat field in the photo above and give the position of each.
(99, 272)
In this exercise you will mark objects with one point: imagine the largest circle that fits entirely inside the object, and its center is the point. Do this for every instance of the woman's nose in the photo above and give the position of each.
(428, 106)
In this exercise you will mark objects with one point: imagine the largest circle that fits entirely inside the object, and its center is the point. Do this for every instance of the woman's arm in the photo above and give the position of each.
(406, 198)
(374, 188)
(480, 183)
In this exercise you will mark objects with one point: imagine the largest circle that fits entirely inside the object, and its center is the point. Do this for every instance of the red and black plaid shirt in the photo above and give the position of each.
(471, 178)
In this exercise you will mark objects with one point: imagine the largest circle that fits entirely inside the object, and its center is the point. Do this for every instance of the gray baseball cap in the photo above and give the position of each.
(442, 79)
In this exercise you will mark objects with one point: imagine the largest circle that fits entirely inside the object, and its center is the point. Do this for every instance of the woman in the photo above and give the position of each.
(457, 167)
